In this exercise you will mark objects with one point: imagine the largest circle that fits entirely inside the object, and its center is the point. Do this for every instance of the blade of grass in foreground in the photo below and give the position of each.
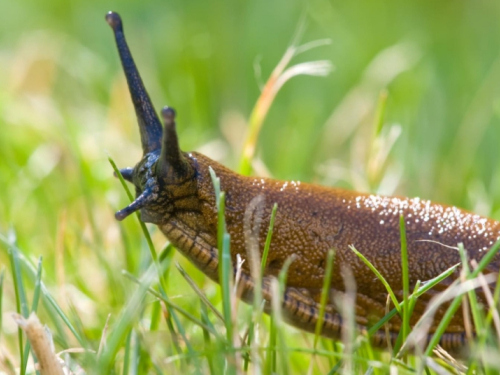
(471, 295)
(225, 268)
(21, 301)
(123, 326)
(206, 338)
(269, 237)
(34, 308)
(169, 303)
(126, 356)
(2, 277)
(406, 278)
(379, 276)
(276, 326)
(450, 312)
(324, 296)
(199, 292)
(257, 305)
(50, 302)
(424, 288)
(154, 257)
(470, 305)
(323, 299)
(270, 367)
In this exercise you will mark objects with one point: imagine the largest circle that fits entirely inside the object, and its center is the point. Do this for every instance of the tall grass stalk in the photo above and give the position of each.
(485, 260)
(279, 76)
(406, 279)
(21, 300)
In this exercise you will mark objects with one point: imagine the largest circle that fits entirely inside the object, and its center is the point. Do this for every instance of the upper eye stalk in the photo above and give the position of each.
(153, 137)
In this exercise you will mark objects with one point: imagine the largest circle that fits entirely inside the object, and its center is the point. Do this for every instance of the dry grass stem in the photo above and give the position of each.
(48, 363)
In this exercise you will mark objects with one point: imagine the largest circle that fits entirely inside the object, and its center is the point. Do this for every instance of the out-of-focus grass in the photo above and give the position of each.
(64, 108)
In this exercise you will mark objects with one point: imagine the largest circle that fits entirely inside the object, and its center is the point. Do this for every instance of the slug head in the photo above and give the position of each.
(163, 164)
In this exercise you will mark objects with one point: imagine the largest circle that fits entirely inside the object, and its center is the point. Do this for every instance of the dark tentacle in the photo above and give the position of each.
(140, 202)
(149, 124)
(171, 161)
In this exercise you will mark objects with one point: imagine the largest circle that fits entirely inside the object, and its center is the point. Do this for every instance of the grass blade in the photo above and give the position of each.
(34, 307)
(126, 356)
(269, 236)
(2, 277)
(379, 276)
(169, 303)
(225, 268)
(450, 312)
(154, 257)
(199, 292)
(21, 301)
(279, 76)
(424, 288)
(49, 301)
(406, 278)
(327, 280)
(118, 334)
(257, 310)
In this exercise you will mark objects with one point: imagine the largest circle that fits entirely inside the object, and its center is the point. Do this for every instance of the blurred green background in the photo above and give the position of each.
(64, 107)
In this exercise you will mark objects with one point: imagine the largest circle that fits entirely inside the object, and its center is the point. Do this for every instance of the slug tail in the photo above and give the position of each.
(149, 124)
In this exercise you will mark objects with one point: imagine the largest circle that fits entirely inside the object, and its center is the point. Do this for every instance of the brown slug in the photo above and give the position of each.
(174, 191)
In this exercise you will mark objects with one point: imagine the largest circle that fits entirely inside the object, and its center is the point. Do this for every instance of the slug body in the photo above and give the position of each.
(175, 191)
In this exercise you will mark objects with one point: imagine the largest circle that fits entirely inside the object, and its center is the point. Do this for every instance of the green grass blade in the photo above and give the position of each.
(216, 184)
(257, 310)
(38, 286)
(455, 304)
(21, 301)
(379, 276)
(474, 309)
(2, 278)
(378, 123)
(199, 292)
(206, 339)
(154, 256)
(424, 288)
(137, 214)
(325, 291)
(473, 303)
(155, 316)
(119, 332)
(169, 303)
(282, 276)
(413, 297)
(270, 366)
(51, 303)
(226, 277)
(269, 236)
(34, 307)
(126, 355)
(225, 267)
(406, 278)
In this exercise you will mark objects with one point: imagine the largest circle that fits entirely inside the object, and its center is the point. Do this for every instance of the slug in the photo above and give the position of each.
(174, 190)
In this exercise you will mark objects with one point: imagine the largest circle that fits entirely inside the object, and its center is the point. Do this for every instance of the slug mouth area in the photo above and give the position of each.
(146, 185)
(159, 188)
